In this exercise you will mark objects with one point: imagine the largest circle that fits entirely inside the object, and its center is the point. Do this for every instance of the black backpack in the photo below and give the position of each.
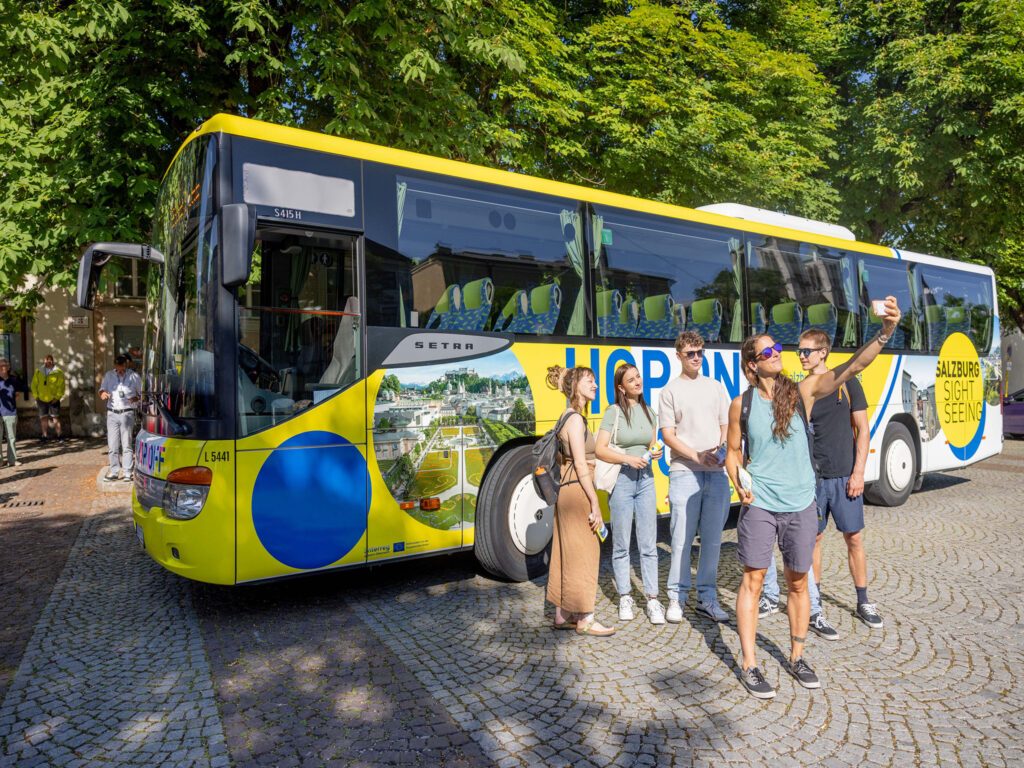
(747, 399)
(547, 469)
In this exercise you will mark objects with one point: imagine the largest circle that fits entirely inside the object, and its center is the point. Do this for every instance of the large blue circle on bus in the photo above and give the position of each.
(310, 499)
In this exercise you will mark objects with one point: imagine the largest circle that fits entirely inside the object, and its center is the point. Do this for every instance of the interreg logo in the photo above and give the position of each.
(379, 550)
(959, 395)
(149, 456)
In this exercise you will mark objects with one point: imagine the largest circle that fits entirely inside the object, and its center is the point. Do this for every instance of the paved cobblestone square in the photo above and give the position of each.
(108, 660)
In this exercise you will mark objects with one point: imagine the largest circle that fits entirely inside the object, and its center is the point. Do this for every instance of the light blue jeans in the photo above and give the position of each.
(771, 587)
(700, 502)
(10, 427)
(632, 499)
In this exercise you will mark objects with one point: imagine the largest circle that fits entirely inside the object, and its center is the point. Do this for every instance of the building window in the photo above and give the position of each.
(128, 341)
(132, 284)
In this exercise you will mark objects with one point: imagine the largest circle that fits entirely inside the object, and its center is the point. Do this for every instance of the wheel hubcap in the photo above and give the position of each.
(899, 465)
(530, 518)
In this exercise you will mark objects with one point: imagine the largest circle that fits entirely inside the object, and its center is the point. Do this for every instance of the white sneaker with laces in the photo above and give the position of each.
(655, 611)
(626, 608)
(675, 612)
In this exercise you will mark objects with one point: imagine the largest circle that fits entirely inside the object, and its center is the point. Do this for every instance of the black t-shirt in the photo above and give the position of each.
(834, 447)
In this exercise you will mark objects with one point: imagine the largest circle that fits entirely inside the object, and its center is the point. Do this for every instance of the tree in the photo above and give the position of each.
(930, 146)
(522, 417)
(657, 99)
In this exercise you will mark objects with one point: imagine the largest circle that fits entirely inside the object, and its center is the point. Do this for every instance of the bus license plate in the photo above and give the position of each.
(140, 536)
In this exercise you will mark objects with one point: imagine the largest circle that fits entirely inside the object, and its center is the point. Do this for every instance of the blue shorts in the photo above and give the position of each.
(847, 513)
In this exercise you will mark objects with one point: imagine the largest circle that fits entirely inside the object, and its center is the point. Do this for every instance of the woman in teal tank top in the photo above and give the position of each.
(782, 472)
(778, 505)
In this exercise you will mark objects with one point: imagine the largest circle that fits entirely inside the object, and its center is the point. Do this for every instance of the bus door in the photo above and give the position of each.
(302, 483)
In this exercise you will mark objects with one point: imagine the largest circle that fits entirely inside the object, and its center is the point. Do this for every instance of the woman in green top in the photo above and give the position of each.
(633, 427)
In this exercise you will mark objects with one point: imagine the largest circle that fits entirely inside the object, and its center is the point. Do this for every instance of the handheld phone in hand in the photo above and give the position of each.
(655, 446)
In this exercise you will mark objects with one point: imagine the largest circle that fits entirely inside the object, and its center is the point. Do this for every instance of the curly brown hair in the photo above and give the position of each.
(785, 394)
(688, 339)
(565, 380)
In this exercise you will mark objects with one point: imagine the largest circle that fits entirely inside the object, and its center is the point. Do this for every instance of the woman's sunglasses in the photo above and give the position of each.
(767, 352)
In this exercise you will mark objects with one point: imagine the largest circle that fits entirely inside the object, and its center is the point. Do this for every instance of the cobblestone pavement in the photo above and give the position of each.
(432, 663)
(42, 505)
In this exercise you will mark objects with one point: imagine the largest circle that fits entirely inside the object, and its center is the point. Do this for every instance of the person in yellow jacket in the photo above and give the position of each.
(48, 389)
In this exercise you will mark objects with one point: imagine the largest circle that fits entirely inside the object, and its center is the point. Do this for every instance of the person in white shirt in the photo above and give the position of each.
(694, 417)
(121, 390)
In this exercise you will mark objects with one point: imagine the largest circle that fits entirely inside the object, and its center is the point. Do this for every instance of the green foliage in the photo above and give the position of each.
(902, 119)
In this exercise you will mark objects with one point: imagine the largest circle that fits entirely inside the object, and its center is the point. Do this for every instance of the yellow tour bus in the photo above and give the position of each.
(346, 345)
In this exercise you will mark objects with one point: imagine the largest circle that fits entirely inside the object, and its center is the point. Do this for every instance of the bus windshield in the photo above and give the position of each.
(179, 360)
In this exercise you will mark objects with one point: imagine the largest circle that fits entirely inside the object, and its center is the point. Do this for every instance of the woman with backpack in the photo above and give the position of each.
(627, 434)
(777, 487)
(575, 548)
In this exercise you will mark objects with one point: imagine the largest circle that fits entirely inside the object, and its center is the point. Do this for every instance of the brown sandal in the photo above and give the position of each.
(594, 629)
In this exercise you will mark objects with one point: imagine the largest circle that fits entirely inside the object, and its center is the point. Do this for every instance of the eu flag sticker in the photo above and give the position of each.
(398, 546)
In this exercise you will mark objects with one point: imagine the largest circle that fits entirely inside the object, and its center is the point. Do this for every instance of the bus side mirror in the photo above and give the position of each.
(97, 255)
(237, 240)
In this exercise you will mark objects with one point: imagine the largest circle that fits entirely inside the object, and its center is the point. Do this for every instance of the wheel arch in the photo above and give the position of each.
(504, 448)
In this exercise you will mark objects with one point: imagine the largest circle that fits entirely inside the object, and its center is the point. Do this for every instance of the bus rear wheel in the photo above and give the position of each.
(898, 471)
(513, 523)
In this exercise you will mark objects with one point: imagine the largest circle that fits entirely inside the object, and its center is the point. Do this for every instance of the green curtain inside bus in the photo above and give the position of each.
(574, 247)
(736, 333)
(301, 261)
(917, 340)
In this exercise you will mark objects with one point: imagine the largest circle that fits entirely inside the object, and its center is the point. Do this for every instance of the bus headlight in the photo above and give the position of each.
(183, 502)
(186, 492)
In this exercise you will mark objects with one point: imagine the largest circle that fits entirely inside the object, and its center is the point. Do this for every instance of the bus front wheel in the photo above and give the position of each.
(513, 523)
(898, 471)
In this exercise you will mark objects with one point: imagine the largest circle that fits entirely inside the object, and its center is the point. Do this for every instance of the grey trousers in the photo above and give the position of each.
(119, 441)
(10, 426)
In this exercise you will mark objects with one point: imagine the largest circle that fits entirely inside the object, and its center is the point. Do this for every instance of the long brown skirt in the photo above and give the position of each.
(575, 553)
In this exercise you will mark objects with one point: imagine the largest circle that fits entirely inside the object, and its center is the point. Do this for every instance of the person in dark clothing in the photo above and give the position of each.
(10, 386)
(841, 438)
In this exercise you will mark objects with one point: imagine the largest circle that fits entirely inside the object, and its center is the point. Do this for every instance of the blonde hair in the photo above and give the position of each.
(819, 337)
(565, 381)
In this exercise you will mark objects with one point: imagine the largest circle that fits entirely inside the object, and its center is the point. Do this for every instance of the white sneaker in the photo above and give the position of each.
(655, 611)
(675, 612)
(626, 608)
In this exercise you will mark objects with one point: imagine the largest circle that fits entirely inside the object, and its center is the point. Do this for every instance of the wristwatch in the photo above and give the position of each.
(883, 338)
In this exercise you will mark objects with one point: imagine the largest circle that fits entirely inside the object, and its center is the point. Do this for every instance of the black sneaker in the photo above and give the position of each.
(868, 613)
(755, 684)
(820, 626)
(766, 607)
(803, 673)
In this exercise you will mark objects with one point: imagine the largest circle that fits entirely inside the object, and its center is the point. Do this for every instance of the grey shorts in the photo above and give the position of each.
(49, 409)
(758, 530)
(847, 513)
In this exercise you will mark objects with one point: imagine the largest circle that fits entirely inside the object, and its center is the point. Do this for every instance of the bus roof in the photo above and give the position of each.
(299, 137)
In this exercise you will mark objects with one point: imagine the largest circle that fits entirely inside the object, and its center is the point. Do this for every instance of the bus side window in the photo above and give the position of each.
(462, 256)
(955, 302)
(656, 277)
(795, 287)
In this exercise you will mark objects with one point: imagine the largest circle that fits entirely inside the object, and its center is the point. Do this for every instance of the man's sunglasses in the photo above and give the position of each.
(806, 351)
(694, 354)
(767, 352)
